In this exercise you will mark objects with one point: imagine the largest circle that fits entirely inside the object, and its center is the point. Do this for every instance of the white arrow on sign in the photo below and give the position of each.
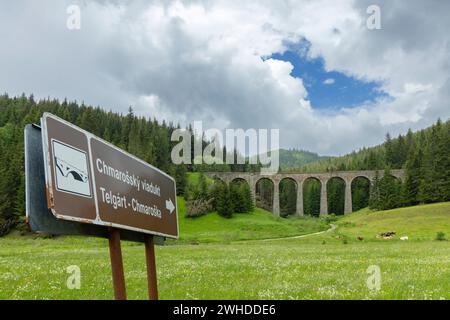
(169, 205)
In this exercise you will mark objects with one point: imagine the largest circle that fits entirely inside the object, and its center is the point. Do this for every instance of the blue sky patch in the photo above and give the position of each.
(330, 90)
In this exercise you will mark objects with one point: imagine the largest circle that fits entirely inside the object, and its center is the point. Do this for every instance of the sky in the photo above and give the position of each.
(312, 69)
(330, 89)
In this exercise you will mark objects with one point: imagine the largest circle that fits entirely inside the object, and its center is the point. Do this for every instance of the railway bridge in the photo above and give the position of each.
(252, 178)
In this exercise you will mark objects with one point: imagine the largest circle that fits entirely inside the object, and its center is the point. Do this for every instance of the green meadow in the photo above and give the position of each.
(259, 224)
(219, 258)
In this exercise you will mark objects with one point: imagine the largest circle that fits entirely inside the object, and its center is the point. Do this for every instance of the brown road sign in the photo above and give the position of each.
(89, 180)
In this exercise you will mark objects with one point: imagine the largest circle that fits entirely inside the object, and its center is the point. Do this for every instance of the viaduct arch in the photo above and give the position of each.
(348, 176)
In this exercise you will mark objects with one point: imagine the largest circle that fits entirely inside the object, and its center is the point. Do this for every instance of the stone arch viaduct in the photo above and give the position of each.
(347, 176)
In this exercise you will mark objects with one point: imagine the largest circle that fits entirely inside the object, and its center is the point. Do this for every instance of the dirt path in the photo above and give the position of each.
(332, 227)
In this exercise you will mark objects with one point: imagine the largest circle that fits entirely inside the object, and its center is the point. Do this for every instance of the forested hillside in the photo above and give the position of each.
(425, 156)
(393, 153)
(293, 158)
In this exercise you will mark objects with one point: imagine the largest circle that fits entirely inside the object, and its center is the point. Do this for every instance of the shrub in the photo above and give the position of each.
(6, 226)
(440, 236)
(199, 190)
(263, 204)
(190, 191)
(342, 237)
(347, 224)
(198, 207)
(330, 218)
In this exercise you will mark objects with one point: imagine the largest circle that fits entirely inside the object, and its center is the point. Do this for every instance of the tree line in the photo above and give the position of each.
(425, 156)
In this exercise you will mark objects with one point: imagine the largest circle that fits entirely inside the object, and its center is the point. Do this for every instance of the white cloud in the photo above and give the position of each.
(201, 60)
(329, 81)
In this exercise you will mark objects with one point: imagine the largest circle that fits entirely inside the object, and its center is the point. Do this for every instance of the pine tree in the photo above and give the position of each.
(372, 163)
(428, 189)
(374, 201)
(390, 151)
(135, 139)
(400, 152)
(236, 197)
(390, 191)
(413, 177)
(409, 142)
(181, 179)
(87, 121)
(224, 206)
(203, 186)
(126, 128)
(248, 198)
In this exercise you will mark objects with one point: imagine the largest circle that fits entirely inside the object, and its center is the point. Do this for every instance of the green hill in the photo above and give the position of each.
(418, 222)
(293, 159)
(259, 224)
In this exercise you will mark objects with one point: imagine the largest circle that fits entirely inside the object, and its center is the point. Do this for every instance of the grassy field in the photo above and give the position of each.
(256, 225)
(418, 223)
(332, 265)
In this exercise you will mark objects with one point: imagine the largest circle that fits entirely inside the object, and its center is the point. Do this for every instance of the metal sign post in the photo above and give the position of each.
(79, 184)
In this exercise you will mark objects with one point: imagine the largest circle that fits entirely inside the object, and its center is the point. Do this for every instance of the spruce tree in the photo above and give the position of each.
(390, 151)
(390, 191)
(224, 206)
(428, 190)
(248, 198)
(181, 179)
(413, 177)
(236, 197)
(203, 186)
(374, 201)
